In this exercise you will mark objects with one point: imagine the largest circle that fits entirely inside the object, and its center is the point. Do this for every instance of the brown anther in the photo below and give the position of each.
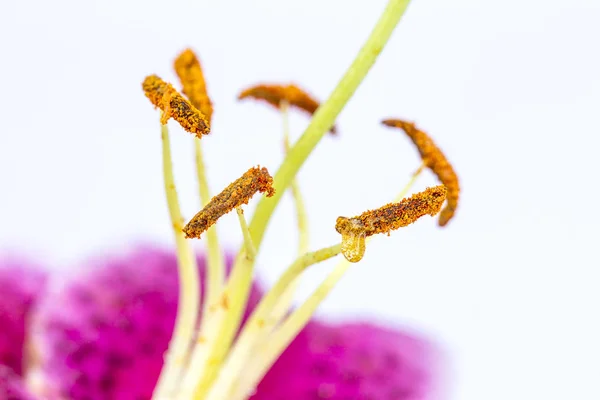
(394, 215)
(174, 105)
(276, 94)
(435, 160)
(188, 69)
(239, 192)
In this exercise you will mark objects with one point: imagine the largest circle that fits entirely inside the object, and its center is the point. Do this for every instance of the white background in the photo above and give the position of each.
(509, 90)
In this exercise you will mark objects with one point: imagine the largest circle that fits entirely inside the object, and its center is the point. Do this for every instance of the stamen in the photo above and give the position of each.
(250, 251)
(173, 105)
(188, 69)
(237, 193)
(223, 317)
(435, 160)
(275, 95)
(261, 322)
(189, 292)
(301, 217)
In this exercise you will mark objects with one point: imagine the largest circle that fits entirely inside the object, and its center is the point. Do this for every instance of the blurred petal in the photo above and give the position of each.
(11, 386)
(351, 362)
(104, 334)
(20, 284)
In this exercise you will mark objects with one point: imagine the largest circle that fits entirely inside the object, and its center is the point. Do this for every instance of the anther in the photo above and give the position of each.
(435, 160)
(276, 94)
(239, 192)
(174, 105)
(188, 69)
(385, 219)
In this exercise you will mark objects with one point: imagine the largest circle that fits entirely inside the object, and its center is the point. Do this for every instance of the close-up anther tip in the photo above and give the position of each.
(173, 105)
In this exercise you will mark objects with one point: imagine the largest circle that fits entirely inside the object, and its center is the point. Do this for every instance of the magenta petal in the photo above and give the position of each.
(356, 361)
(11, 386)
(20, 284)
(104, 334)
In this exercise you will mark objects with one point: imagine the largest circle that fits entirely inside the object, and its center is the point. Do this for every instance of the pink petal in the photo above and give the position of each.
(104, 334)
(11, 386)
(20, 284)
(353, 361)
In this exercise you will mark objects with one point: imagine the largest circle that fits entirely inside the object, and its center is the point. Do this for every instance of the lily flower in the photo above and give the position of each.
(155, 325)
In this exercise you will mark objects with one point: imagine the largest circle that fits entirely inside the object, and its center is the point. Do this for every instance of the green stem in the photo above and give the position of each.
(214, 258)
(301, 217)
(250, 252)
(189, 292)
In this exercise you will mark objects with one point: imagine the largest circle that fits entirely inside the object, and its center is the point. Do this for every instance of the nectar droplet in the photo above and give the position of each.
(353, 246)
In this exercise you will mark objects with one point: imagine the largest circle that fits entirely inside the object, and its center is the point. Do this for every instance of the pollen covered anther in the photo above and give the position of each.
(174, 105)
(387, 218)
(276, 94)
(239, 192)
(435, 160)
(188, 69)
